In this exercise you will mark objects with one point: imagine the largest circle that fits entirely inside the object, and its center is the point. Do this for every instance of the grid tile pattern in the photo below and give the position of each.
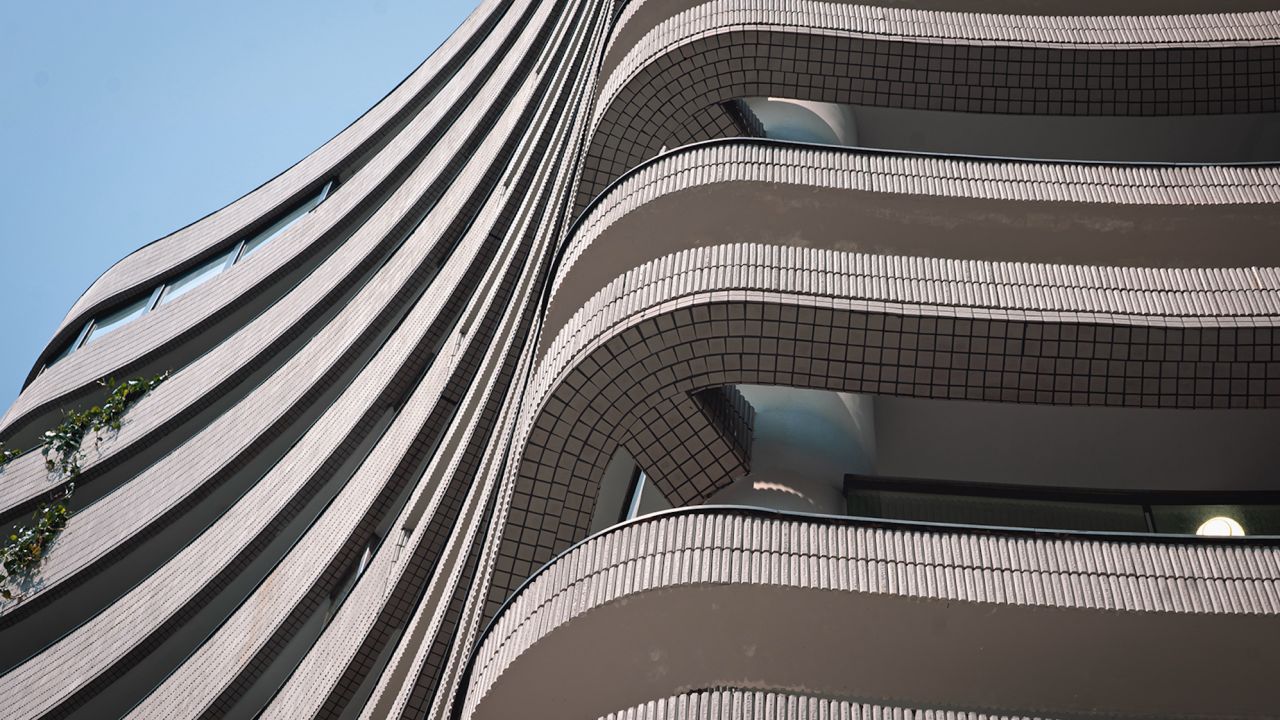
(802, 318)
(669, 89)
(903, 23)
(427, 680)
(399, 380)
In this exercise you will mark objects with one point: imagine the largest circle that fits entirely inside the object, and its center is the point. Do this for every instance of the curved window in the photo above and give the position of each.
(803, 121)
(196, 277)
(116, 319)
(256, 242)
(189, 280)
(626, 492)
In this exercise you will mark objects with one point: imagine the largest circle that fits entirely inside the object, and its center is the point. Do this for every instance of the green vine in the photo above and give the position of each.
(62, 445)
(7, 455)
(26, 545)
(63, 452)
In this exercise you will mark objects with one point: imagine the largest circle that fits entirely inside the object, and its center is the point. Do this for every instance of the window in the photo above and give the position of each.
(349, 578)
(1197, 139)
(117, 319)
(256, 242)
(996, 511)
(188, 281)
(70, 346)
(1056, 509)
(196, 277)
(797, 120)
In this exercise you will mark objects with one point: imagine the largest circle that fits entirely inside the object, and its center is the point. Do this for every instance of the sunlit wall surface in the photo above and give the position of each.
(677, 359)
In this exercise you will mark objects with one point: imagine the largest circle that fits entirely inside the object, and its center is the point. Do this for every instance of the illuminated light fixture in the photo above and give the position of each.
(1220, 526)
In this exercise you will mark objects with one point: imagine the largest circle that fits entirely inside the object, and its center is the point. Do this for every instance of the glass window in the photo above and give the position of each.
(196, 277)
(257, 241)
(997, 511)
(112, 321)
(71, 345)
(1058, 510)
(65, 351)
(188, 281)
(1217, 519)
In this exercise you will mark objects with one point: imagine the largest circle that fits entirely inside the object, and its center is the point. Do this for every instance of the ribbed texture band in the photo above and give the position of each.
(760, 705)
(704, 548)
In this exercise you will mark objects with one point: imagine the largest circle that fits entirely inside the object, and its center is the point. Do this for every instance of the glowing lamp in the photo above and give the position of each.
(1220, 526)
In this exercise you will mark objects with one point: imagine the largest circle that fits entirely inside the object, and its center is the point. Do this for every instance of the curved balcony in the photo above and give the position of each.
(637, 17)
(997, 621)
(1079, 228)
(224, 339)
(638, 364)
(670, 87)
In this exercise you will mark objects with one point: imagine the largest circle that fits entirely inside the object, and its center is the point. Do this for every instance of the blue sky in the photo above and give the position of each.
(123, 120)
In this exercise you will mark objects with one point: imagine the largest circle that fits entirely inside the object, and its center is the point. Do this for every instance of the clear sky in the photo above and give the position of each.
(123, 120)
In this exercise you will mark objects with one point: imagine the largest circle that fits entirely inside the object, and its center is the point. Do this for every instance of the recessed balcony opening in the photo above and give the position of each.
(993, 464)
(1198, 139)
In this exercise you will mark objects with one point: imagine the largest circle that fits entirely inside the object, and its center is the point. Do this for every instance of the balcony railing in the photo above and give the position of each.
(1007, 587)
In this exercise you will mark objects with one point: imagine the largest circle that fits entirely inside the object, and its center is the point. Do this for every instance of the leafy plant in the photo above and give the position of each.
(7, 455)
(63, 451)
(62, 445)
(25, 547)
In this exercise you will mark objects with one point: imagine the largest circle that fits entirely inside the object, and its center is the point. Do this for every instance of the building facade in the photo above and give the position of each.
(683, 359)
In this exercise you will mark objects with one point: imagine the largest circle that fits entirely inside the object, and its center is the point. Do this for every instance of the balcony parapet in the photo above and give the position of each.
(916, 615)
(627, 359)
(1075, 231)
(635, 18)
(164, 254)
(736, 704)
(667, 89)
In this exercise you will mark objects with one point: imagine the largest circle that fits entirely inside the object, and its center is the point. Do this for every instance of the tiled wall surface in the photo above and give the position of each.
(668, 89)
(798, 317)
(319, 511)
(418, 162)
(1061, 187)
(709, 548)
